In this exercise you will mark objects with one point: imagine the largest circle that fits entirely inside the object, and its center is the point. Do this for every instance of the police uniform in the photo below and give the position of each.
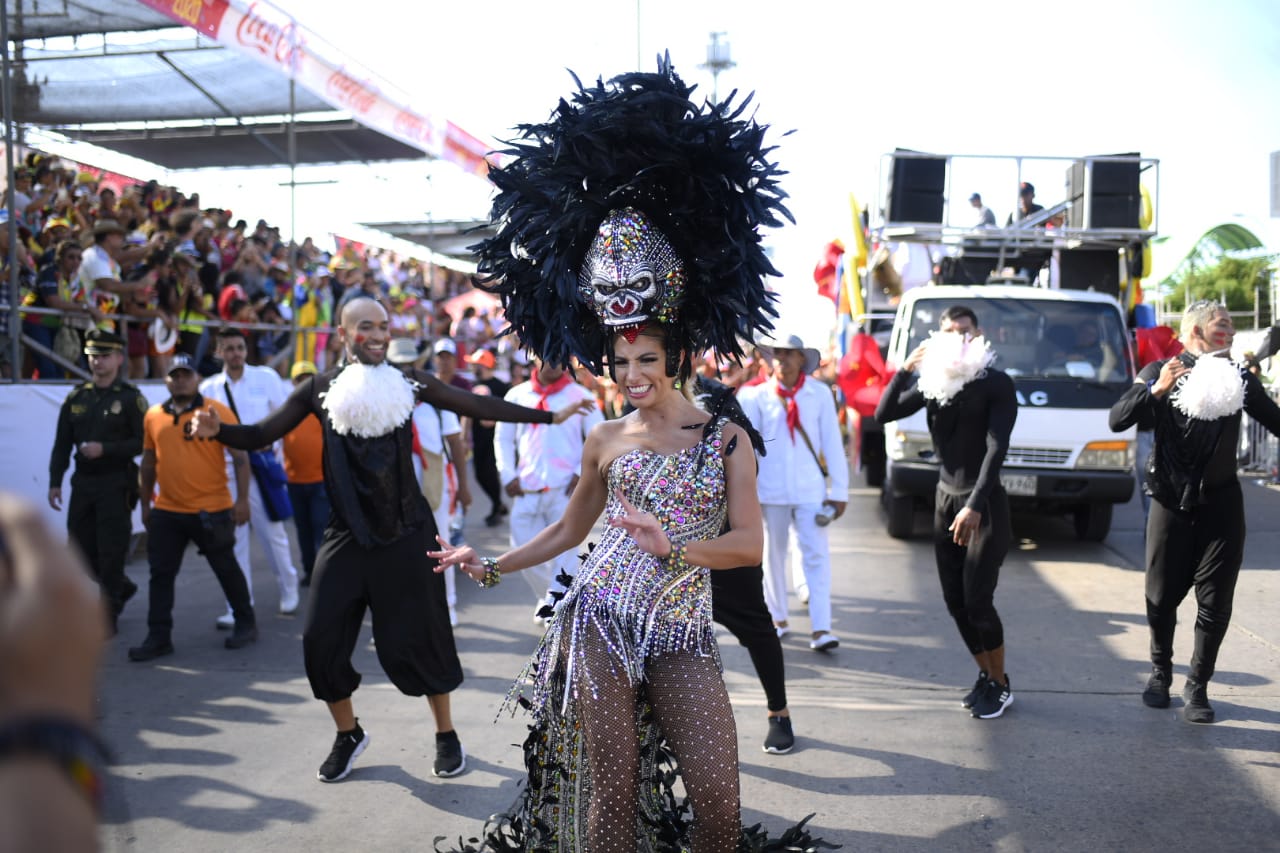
(103, 490)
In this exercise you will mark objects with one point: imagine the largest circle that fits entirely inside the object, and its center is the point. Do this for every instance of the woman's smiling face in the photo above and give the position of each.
(641, 369)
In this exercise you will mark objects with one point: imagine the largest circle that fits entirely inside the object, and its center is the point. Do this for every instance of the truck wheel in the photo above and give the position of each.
(901, 510)
(1092, 522)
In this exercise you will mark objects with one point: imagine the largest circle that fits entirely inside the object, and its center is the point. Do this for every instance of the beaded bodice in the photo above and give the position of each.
(632, 599)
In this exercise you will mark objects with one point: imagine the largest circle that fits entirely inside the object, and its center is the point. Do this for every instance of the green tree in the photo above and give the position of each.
(1234, 280)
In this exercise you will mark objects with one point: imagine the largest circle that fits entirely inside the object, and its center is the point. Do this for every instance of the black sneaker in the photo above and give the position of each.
(151, 648)
(242, 636)
(1157, 693)
(1197, 708)
(347, 746)
(780, 739)
(994, 698)
(451, 758)
(972, 695)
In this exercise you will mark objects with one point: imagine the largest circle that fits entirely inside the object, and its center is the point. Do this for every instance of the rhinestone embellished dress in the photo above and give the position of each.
(632, 605)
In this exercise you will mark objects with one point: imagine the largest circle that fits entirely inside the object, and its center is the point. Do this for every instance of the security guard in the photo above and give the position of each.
(102, 420)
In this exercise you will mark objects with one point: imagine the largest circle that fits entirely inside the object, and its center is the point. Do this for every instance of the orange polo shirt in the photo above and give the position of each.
(191, 473)
(304, 452)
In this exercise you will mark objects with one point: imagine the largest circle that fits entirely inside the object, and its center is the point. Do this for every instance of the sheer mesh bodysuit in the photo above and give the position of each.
(630, 661)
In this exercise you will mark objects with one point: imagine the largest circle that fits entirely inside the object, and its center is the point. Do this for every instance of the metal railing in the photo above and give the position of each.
(1259, 452)
(282, 356)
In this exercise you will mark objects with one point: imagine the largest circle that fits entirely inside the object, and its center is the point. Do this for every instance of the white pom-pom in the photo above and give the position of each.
(951, 362)
(368, 401)
(1212, 389)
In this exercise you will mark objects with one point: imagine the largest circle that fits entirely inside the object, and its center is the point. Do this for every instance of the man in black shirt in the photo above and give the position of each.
(1195, 527)
(373, 556)
(971, 416)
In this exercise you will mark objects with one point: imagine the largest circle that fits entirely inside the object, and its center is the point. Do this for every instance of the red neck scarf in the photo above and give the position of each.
(545, 391)
(793, 411)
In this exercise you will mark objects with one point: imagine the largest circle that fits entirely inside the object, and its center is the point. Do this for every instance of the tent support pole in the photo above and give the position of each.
(15, 298)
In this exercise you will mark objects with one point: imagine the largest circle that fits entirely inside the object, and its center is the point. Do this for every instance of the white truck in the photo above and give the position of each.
(1068, 354)
(1064, 341)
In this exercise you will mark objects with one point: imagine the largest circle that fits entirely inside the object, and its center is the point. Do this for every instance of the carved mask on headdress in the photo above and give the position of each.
(631, 275)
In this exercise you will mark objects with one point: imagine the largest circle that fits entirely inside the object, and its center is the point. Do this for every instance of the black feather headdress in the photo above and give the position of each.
(700, 173)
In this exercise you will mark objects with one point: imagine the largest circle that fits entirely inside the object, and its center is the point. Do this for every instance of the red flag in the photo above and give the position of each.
(863, 375)
(826, 273)
(1156, 343)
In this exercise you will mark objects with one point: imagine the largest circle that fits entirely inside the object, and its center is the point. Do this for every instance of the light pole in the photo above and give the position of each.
(717, 60)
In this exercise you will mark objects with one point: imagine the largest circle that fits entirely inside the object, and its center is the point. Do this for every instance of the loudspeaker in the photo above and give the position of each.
(1115, 199)
(916, 188)
(1089, 269)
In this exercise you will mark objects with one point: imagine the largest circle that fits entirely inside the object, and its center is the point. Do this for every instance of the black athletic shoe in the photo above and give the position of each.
(780, 740)
(151, 648)
(972, 695)
(1197, 708)
(241, 636)
(1157, 693)
(451, 758)
(993, 699)
(346, 748)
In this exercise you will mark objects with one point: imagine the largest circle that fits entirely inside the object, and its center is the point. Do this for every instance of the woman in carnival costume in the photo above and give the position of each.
(627, 238)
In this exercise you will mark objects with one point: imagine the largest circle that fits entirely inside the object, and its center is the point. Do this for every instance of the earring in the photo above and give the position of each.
(677, 385)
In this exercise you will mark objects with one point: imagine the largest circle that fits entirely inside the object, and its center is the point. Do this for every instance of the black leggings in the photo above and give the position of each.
(737, 602)
(486, 468)
(1203, 548)
(969, 573)
(410, 617)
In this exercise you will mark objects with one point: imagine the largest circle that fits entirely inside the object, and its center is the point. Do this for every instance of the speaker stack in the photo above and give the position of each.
(916, 189)
(1115, 200)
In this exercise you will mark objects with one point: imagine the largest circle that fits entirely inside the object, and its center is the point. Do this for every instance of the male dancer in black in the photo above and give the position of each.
(374, 551)
(970, 429)
(1195, 527)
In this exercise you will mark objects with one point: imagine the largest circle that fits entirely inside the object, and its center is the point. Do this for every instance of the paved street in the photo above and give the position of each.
(218, 750)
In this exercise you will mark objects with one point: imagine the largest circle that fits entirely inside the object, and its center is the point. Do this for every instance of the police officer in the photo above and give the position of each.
(102, 420)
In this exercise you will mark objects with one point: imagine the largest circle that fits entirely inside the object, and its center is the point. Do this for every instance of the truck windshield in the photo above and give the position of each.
(1043, 338)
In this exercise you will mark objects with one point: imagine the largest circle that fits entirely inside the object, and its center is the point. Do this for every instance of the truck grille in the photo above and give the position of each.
(1036, 456)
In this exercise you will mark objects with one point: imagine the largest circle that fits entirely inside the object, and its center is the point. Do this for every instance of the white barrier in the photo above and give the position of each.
(29, 412)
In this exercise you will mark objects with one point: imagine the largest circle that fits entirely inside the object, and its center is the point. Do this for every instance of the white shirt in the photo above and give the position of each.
(788, 472)
(259, 391)
(543, 456)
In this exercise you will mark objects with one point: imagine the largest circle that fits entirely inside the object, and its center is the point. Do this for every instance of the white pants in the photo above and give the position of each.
(450, 574)
(529, 515)
(272, 538)
(815, 560)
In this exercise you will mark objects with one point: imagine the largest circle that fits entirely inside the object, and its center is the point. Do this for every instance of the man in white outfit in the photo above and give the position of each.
(437, 442)
(796, 415)
(539, 466)
(254, 392)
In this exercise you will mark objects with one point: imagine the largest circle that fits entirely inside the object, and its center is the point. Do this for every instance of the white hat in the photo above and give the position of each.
(445, 345)
(812, 358)
(402, 351)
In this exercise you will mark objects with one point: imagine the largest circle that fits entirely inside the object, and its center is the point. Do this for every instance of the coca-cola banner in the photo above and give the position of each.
(278, 41)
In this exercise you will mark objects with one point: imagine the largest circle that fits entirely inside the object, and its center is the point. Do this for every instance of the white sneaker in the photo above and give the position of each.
(226, 621)
(802, 592)
(824, 642)
(289, 601)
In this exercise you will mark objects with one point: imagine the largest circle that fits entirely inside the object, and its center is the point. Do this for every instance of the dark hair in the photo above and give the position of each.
(955, 312)
(225, 332)
(67, 246)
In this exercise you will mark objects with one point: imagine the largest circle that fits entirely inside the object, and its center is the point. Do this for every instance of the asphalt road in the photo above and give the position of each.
(218, 750)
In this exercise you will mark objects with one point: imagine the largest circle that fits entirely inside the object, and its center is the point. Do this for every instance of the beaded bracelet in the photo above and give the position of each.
(73, 748)
(675, 560)
(492, 573)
